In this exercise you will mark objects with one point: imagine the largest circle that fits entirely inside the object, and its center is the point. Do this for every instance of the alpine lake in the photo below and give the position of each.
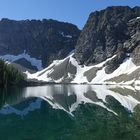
(70, 112)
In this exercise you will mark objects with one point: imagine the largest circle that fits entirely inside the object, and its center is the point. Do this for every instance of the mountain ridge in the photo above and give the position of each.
(105, 33)
(107, 51)
(110, 36)
(43, 40)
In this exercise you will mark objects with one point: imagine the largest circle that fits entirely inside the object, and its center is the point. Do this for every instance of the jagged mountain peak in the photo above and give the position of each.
(105, 32)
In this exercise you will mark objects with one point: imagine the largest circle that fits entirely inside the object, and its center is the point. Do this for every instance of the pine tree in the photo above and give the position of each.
(9, 75)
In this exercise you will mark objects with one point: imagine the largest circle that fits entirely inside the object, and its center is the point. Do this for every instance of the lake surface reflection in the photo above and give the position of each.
(75, 112)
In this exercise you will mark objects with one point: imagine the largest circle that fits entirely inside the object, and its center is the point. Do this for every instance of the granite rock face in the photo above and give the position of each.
(115, 30)
(107, 51)
(45, 40)
(110, 38)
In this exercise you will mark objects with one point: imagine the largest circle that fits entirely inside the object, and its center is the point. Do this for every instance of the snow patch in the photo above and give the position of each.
(126, 67)
(67, 36)
(12, 58)
(101, 77)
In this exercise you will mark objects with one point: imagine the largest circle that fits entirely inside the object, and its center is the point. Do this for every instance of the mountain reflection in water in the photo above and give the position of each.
(92, 111)
(69, 97)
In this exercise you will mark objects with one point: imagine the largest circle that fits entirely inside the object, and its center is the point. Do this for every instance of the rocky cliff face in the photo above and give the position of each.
(115, 30)
(107, 51)
(35, 43)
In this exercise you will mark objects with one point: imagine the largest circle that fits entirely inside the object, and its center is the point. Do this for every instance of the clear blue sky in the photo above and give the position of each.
(73, 11)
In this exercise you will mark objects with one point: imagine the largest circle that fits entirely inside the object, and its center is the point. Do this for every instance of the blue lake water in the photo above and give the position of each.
(70, 112)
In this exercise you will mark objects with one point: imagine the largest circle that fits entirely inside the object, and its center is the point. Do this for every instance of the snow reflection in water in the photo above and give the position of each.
(69, 97)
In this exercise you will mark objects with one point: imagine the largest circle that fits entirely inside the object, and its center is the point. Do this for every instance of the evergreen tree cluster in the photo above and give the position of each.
(9, 75)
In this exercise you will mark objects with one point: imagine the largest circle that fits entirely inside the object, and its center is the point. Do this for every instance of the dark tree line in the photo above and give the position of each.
(9, 75)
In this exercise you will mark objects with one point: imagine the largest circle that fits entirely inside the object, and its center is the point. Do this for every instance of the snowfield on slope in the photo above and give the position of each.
(127, 67)
(12, 58)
